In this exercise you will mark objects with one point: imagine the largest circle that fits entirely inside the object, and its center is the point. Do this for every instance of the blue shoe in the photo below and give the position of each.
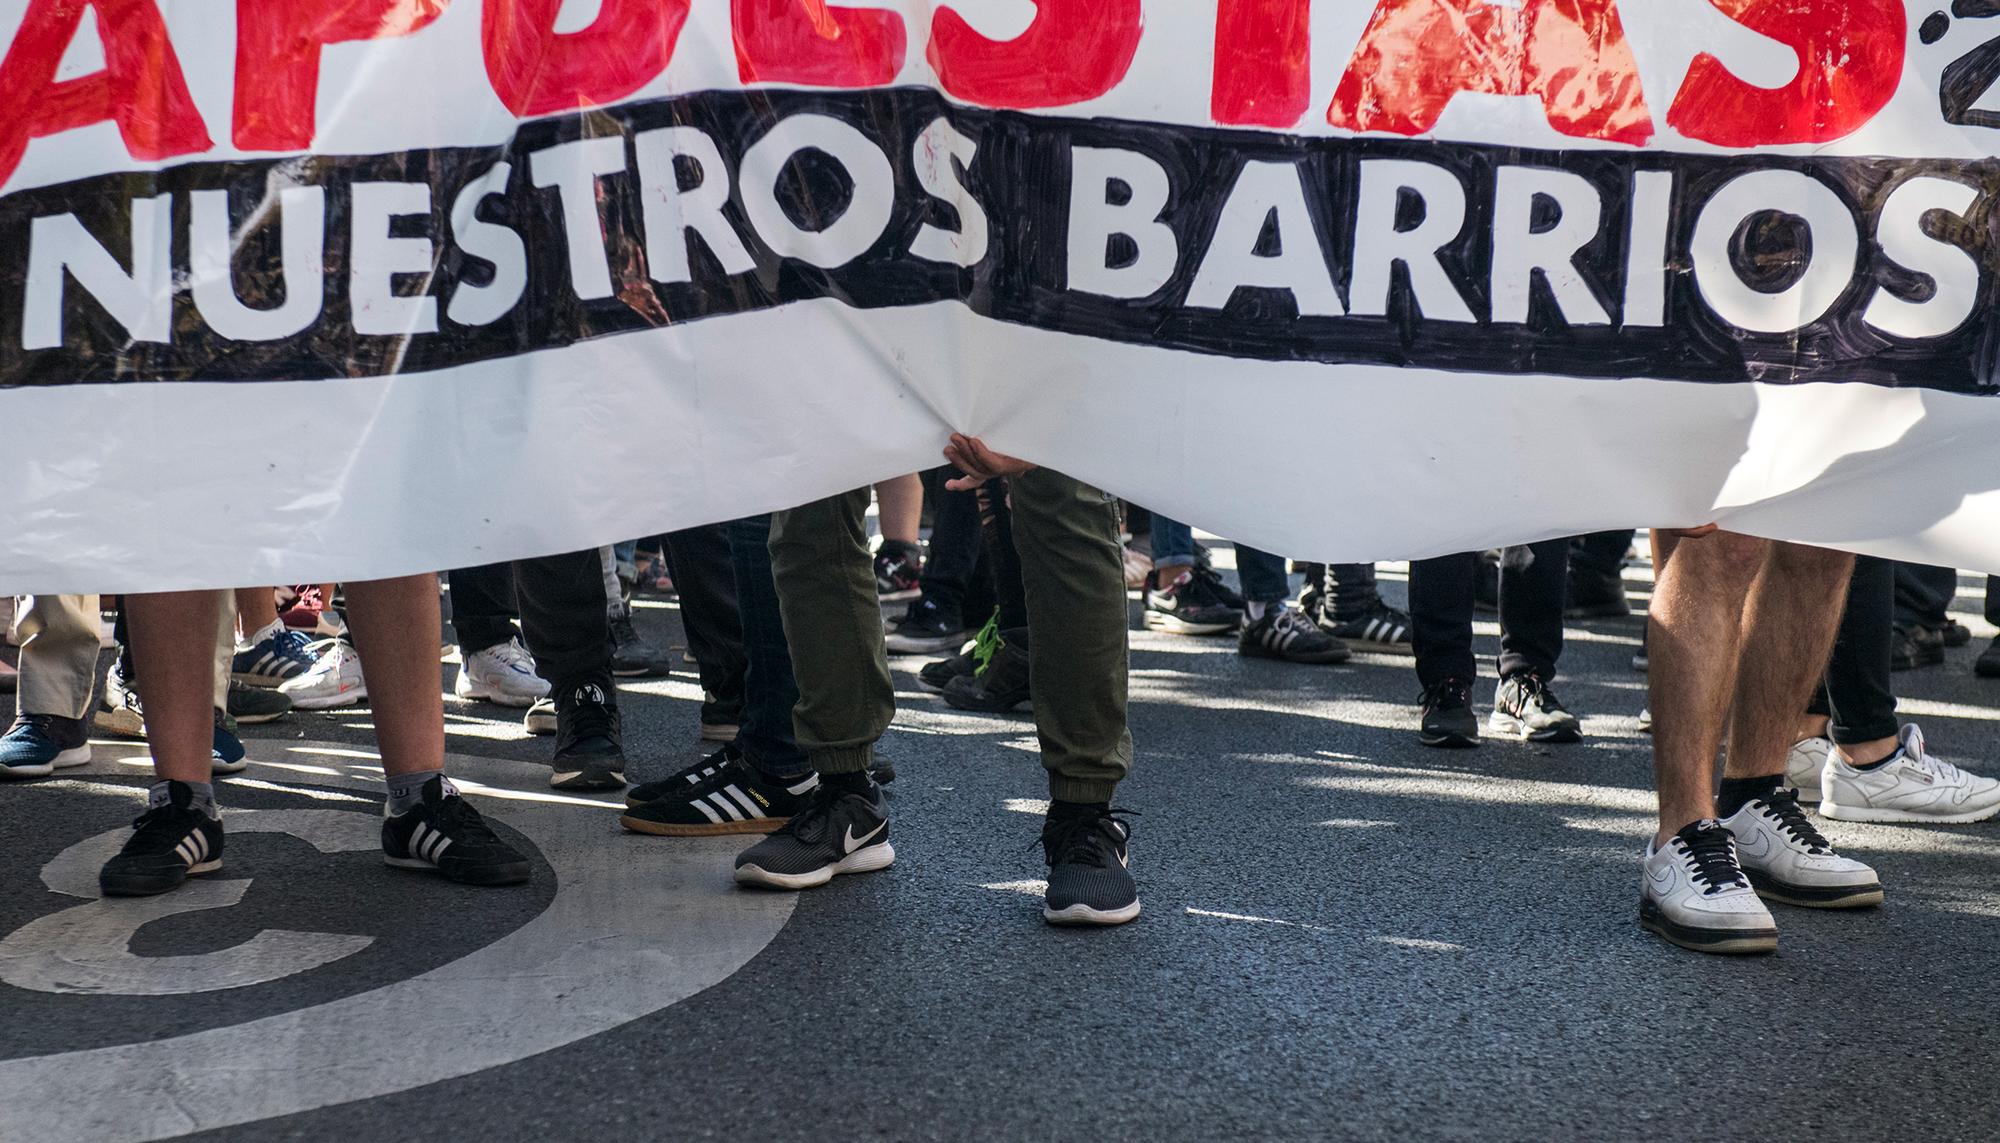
(273, 660)
(226, 754)
(38, 743)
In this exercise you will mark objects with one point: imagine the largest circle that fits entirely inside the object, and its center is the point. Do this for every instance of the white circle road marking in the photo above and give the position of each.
(630, 931)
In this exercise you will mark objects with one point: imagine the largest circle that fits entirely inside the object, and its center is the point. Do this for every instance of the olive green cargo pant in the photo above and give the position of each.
(1073, 570)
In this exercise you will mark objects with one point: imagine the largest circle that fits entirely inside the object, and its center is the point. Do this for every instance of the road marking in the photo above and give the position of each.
(634, 927)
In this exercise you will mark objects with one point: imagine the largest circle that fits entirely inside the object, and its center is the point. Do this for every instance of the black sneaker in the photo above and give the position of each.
(225, 751)
(39, 744)
(170, 843)
(253, 706)
(632, 656)
(998, 687)
(1448, 720)
(1987, 665)
(1090, 879)
(1955, 634)
(446, 835)
(1381, 628)
(970, 659)
(588, 751)
(1641, 662)
(737, 799)
(1526, 708)
(834, 832)
(898, 570)
(684, 779)
(1595, 596)
(1190, 605)
(1204, 569)
(1912, 647)
(926, 628)
(1283, 633)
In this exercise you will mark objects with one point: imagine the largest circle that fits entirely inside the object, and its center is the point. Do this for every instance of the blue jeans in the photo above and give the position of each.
(770, 691)
(1264, 577)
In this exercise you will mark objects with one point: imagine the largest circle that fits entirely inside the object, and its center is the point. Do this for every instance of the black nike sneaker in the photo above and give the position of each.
(446, 835)
(1000, 686)
(735, 799)
(1191, 605)
(1448, 720)
(1526, 708)
(589, 755)
(685, 779)
(969, 661)
(170, 843)
(925, 628)
(1090, 879)
(834, 832)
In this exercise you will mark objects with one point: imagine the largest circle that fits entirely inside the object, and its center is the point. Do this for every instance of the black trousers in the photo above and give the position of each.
(1856, 695)
(1534, 583)
(706, 582)
(561, 604)
(1601, 554)
(956, 576)
(1924, 594)
(997, 541)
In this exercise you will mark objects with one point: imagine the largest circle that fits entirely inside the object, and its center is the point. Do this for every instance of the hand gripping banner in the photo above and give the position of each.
(331, 289)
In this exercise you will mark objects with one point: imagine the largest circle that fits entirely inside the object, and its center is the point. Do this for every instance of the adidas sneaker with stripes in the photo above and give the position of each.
(734, 799)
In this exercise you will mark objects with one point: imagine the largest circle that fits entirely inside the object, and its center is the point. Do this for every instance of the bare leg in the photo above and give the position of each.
(173, 653)
(256, 608)
(1789, 624)
(1695, 641)
(900, 503)
(395, 624)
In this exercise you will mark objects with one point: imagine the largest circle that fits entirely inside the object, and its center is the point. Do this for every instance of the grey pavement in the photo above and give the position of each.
(1345, 936)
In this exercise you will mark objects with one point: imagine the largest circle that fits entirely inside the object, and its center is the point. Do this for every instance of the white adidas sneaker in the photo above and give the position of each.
(1788, 860)
(1693, 893)
(1911, 787)
(1804, 764)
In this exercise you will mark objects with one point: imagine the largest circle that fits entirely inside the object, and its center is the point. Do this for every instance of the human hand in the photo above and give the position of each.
(979, 464)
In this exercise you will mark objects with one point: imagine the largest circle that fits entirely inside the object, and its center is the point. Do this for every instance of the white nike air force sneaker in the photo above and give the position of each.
(1911, 787)
(1788, 860)
(1692, 892)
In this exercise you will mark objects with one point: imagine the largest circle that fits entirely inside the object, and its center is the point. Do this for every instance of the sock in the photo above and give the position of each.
(1257, 608)
(1893, 755)
(857, 782)
(201, 796)
(406, 791)
(274, 627)
(1739, 792)
(1062, 809)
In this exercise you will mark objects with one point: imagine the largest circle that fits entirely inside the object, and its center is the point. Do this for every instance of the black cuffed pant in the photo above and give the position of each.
(560, 601)
(1856, 695)
(1534, 584)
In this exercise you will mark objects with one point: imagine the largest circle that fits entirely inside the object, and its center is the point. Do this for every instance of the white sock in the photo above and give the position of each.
(262, 633)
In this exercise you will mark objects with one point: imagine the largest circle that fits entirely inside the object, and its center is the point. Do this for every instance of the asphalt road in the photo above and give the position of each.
(1346, 936)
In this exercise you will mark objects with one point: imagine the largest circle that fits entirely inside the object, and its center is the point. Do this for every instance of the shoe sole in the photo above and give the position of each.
(723, 733)
(151, 887)
(902, 645)
(618, 672)
(262, 682)
(1507, 726)
(1370, 646)
(1172, 626)
(1079, 915)
(587, 779)
(1828, 809)
(497, 698)
(260, 719)
(991, 706)
(121, 727)
(1321, 659)
(1451, 741)
(351, 698)
(539, 728)
(1726, 942)
(1815, 897)
(489, 876)
(867, 859)
(705, 829)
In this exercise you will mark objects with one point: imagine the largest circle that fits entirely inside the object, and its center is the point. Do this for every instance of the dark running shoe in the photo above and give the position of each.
(1912, 647)
(274, 660)
(1381, 628)
(39, 744)
(969, 660)
(833, 832)
(1190, 605)
(446, 835)
(589, 754)
(736, 799)
(1090, 879)
(1283, 633)
(1987, 665)
(1955, 634)
(632, 655)
(225, 752)
(170, 843)
(924, 629)
(1204, 569)
(1448, 721)
(1596, 596)
(998, 687)
(897, 571)
(685, 779)
(1526, 708)
(254, 706)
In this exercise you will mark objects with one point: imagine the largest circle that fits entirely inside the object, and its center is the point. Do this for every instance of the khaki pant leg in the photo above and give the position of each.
(59, 646)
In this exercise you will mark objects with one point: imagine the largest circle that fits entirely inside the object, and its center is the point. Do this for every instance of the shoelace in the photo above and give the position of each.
(1451, 692)
(1537, 693)
(456, 819)
(589, 719)
(1784, 806)
(1289, 619)
(43, 724)
(294, 644)
(1914, 755)
(512, 654)
(1087, 840)
(1711, 861)
(808, 822)
(162, 823)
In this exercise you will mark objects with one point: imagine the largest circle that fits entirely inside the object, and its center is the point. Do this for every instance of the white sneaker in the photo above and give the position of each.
(541, 717)
(1694, 894)
(1911, 787)
(335, 680)
(503, 673)
(1788, 860)
(1804, 764)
